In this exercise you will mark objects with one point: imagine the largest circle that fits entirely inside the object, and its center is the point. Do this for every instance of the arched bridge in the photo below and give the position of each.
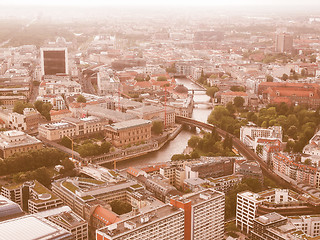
(241, 147)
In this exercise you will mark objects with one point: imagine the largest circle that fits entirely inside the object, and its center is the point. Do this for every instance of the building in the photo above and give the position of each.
(283, 201)
(290, 93)
(309, 224)
(128, 132)
(56, 101)
(182, 107)
(80, 193)
(54, 61)
(204, 214)
(15, 141)
(165, 222)
(196, 216)
(57, 116)
(225, 183)
(68, 220)
(247, 203)
(227, 97)
(9, 209)
(262, 224)
(33, 228)
(253, 136)
(292, 171)
(273, 226)
(210, 167)
(155, 113)
(284, 42)
(108, 84)
(39, 198)
(313, 148)
(72, 127)
(32, 196)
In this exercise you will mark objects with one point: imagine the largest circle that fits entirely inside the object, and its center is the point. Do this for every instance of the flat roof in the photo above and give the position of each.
(130, 123)
(137, 221)
(31, 228)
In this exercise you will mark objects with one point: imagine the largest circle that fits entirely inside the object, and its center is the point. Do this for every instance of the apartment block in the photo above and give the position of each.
(247, 203)
(163, 223)
(204, 214)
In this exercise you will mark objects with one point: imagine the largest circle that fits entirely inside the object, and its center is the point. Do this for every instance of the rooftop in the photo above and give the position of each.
(140, 220)
(130, 123)
(24, 228)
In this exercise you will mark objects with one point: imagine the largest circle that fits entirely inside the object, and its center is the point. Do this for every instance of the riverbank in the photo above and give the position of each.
(135, 151)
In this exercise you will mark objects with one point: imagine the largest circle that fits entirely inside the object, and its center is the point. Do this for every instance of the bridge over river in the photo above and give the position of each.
(242, 149)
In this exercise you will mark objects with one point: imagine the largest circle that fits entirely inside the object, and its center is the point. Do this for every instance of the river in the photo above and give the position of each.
(177, 145)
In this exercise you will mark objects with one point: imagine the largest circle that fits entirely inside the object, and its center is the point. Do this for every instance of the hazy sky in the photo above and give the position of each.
(160, 2)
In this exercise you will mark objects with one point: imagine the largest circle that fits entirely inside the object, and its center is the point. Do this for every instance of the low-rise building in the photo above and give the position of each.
(67, 219)
(32, 227)
(14, 141)
(155, 113)
(292, 171)
(129, 132)
(72, 127)
(227, 97)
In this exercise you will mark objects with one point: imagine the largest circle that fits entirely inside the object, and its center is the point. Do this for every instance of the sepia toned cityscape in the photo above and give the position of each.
(160, 120)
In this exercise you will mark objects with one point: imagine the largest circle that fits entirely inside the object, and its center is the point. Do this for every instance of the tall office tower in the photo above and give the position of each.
(284, 42)
(54, 61)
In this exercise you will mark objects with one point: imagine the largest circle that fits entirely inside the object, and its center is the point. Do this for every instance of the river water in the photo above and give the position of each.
(177, 145)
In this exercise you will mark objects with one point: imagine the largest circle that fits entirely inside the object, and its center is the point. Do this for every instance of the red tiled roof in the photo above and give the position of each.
(133, 171)
(154, 167)
(235, 94)
(63, 111)
(144, 84)
(105, 215)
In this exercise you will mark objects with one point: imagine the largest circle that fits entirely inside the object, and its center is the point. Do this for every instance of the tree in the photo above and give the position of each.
(212, 91)
(120, 207)
(161, 79)
(308, 161)
(269, 78)
(20, 106)
(193, 141)
(237, 89)
(157, 127)
(285, 77)
(81, 99)
(66, 142)
(238, 101)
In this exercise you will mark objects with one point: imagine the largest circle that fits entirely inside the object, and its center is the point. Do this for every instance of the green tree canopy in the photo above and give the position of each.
(157, 127)
(238, 101)
(161, 79)
(20, 106)
(211, 91)
(81, 99)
